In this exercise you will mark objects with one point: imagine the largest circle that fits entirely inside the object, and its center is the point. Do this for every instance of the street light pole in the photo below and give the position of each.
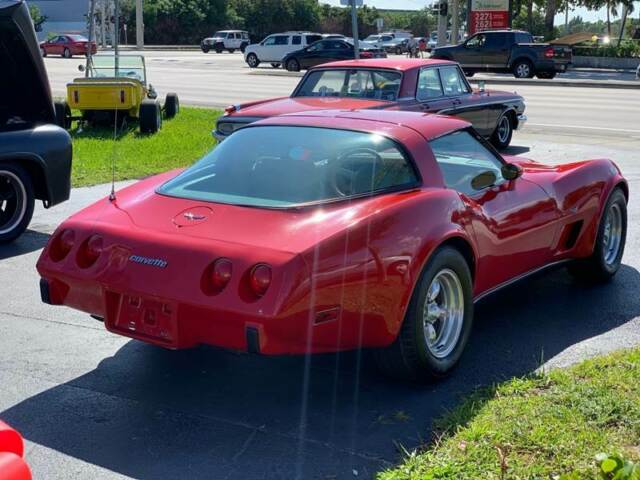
(442, 23)
(139, 26)
(354, 27)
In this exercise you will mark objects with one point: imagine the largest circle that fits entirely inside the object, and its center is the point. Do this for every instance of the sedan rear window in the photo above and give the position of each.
(373, 84)
(286, 166)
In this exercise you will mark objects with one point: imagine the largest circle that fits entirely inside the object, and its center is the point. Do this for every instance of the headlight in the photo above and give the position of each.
(227, 128)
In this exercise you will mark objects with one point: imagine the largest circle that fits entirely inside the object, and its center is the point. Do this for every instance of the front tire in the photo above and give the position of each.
(606, 258)
(63, 114)
(293, 65)
(252, 60)
(16, 201)
(171, 105)
(438, 322)
(503, 133)
(523, 69)
(150, 116)
(205, 49)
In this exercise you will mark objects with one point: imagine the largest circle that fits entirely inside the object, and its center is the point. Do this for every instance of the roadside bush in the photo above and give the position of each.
(627, 49)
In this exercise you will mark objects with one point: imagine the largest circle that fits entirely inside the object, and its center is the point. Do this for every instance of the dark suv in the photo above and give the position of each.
(35, 154)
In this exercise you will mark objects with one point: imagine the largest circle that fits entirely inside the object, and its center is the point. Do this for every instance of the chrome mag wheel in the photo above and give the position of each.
(13, 204)
(612, 234)
(504, 129)
(443, 313)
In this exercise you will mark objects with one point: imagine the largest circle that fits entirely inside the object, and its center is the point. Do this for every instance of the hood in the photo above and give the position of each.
(23, 67)
(283, 106)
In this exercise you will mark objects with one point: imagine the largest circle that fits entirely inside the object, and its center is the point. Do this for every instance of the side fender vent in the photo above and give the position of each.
(571, 234)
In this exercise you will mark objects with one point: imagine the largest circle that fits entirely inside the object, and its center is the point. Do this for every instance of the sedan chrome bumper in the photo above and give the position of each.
(522, 119)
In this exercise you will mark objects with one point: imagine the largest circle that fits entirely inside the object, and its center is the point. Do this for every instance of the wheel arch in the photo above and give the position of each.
(520, 57)
(35, 168)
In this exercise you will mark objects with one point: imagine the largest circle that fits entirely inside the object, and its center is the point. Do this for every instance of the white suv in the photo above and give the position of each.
(230, 40)
(274, 47)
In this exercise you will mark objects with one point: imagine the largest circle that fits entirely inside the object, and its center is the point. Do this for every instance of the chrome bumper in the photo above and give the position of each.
(522, 119)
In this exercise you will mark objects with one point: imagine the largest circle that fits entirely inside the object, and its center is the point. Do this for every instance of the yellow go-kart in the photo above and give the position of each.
(115, 87)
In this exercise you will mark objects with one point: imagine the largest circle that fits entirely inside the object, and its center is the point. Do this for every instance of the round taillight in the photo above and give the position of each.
(62, 245)
(90, 251)
(221, 273)
(260, 279)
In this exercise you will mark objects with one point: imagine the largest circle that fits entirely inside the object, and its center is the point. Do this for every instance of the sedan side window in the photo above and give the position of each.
(269, 41)
(461, 157)
(296, 40)
(452, 82)
(429, 84)
(281, 40)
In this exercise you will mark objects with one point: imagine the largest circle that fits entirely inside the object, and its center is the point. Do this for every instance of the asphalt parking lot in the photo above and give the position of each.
(94, 405)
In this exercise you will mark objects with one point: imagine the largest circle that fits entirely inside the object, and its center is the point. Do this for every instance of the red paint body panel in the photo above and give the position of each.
(74, 46)
(12, 465)
(342, 273)
(286, 105)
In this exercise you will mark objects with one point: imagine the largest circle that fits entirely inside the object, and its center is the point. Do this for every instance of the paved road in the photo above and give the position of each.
(94, 405)
(201, 79)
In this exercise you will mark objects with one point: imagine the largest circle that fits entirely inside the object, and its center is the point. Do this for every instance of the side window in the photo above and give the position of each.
(296, 40)
(429, 84)
(312, 38)
(477, 41)
(269, 41)
(461, 157)
(496, 40)
(282, 40)
(452, 83)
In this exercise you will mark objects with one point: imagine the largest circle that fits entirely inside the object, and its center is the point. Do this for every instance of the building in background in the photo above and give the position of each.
(63, 16)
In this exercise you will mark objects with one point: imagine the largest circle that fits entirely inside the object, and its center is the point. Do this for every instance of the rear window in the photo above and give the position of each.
(285, 166)
(522, 37)
(372, 84)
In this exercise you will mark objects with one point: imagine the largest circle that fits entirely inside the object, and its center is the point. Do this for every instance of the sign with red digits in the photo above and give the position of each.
(488, 15)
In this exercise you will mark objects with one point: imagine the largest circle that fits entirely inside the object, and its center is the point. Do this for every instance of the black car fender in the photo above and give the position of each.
(522, 56)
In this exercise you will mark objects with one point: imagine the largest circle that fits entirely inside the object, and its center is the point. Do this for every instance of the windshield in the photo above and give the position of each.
(372, 84)
(220, 34)
(129, 66)
(371, 38)
(78, 38)
(285, 166)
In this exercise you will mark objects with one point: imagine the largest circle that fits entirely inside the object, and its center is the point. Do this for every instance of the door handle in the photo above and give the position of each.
(457, 101)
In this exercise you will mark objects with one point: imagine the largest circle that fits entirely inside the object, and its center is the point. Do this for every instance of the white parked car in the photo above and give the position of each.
(273, 48)
(638, 73)
(230, 40)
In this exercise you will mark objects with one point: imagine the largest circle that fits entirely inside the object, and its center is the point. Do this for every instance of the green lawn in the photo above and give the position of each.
(182, 140)
(540, 427)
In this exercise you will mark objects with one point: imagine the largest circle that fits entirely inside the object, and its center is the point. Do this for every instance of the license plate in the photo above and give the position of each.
(148, 318)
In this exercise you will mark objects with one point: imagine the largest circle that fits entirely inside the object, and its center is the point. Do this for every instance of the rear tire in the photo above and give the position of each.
(16, 201)
(606, 258)
(171, 105)
(523, 69)
(63, 114)
(503, 133)
(66, 53)
(293, 65)
(437, 324)
(205, 49)
(252, 60)
(150, 116)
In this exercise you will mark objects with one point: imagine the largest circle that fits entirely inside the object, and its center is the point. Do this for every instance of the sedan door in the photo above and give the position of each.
(430, 94)
(466, 104)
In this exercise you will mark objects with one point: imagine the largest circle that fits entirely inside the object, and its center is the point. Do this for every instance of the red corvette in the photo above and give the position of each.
(334, 230)
(12, 465)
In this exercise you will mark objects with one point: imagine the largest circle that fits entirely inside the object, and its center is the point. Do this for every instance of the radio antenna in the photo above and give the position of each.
(112, 195)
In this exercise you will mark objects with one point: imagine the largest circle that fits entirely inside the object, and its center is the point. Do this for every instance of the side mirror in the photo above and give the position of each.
(510, 171)
(81, 68)
(483, 180)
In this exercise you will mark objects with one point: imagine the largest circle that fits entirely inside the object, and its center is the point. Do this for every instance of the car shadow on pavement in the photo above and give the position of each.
(515, 150)
(203, 413)
(28, 242)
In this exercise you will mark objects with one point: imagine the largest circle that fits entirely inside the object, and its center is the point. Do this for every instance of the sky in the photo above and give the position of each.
(587, 15)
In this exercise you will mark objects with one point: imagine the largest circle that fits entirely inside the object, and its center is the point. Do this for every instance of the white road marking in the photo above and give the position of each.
(583, 127)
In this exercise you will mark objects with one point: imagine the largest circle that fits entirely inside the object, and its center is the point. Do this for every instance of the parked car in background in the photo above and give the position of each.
(508, 51)
(432, 42)
(35, 154)
(274, 47)
(324, 51)
(434, 86)
(388, 42)
(229, 40)
(67, 46)
(336, 230)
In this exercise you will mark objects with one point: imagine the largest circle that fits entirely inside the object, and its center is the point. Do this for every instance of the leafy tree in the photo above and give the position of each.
(36, 17)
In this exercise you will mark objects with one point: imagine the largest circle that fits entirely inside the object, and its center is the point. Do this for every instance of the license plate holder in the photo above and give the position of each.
(147, 318)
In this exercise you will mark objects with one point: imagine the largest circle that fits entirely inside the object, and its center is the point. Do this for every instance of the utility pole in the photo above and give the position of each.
(354, 27)
(139, 26)
(454, 22)
(442, 22)
(103, 21)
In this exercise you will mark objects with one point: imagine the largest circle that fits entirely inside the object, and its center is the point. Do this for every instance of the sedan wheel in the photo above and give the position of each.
(437, 324)
(293, 65)
(501, 137)
(252, 60)
(66, 53)
(16, 202)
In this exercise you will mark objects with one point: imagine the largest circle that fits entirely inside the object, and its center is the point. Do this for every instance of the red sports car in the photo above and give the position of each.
(334, 230)
(12, 465)
(67, 46)
(427, 86)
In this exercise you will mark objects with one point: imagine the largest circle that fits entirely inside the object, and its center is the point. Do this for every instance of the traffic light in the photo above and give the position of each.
(443, 8)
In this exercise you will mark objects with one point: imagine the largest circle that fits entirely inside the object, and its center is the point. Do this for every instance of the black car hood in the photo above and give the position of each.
(23, 83)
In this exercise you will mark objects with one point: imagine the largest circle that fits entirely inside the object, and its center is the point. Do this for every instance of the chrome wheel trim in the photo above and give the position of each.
(523, 70)
(504, 128)
(443, 313)
(14, 188)
(612, 238)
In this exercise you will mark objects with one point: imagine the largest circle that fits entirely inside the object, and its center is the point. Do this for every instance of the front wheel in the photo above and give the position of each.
(205, 49)
(252, 60)
(437, 325)
(503, 133)
(293, 65)
(150, 116)
(523, 69)
(171, 105)
(63, 114)
(16, 201)
(606, 258)
(66, 53)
